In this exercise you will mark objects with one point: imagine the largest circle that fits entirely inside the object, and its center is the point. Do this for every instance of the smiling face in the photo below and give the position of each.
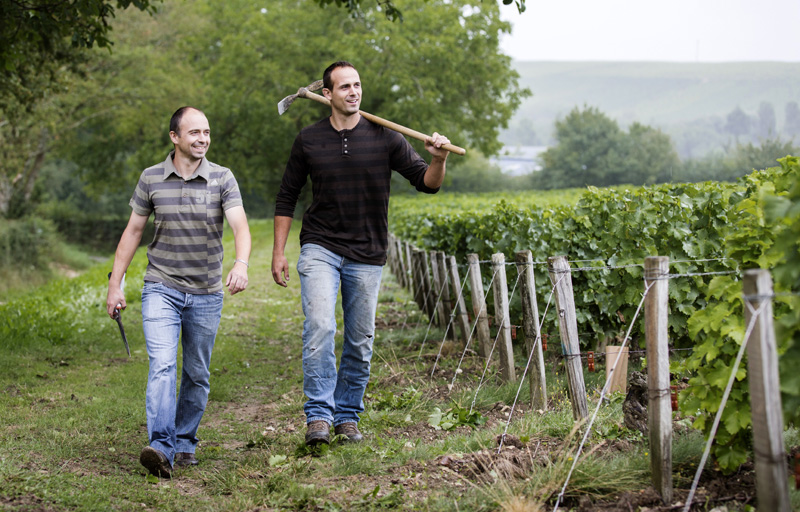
(193, 136)
(345, 91)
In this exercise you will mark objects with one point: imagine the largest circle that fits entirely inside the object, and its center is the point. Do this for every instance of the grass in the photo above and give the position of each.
(73, 425)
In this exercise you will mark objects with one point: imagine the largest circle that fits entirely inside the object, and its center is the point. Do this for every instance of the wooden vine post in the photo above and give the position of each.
(400, 264)
(507, 371)
(410, 261)
(568, 329)
(479, 305)
(533, 338)
(659, 408)
(772, 487)
(437, 289)
(447, 303)
(417, 266)
(461, 309)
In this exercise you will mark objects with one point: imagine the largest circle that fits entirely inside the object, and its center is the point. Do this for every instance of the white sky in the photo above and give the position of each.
(648, 30)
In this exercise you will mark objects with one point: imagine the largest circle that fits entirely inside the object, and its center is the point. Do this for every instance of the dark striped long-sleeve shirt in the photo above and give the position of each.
(186, 251)
(350, 173)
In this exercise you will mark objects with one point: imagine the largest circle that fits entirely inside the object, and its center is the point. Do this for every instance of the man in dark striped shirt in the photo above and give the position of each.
(343, 241)
(182, 295)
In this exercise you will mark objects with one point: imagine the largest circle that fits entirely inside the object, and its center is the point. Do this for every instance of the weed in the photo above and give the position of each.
(454, 417)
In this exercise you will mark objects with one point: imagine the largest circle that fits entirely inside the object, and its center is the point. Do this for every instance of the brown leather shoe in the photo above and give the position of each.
(155, 462)
(185, 459)
(318, 432)
(350, 432)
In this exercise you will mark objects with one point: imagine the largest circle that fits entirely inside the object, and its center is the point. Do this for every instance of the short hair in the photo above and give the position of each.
(175, 121)
(326, 76)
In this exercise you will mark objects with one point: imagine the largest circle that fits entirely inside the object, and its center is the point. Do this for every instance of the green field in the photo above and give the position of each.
(73, 417)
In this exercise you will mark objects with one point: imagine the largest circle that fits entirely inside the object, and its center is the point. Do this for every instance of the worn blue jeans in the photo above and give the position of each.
(336, 397)
(169, 315)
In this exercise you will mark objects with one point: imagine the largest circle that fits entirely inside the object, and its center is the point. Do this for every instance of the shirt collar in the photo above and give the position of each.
(202, 170)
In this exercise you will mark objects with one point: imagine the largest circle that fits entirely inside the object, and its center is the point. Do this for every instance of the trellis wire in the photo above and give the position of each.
(489, 357)
(452, 316)
(527, 366)
(474, 325)
(438, 299)
(600, 400)
(722, 403)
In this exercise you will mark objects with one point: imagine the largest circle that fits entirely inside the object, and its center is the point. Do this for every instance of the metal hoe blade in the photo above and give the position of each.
(286, 102)
(118, 318)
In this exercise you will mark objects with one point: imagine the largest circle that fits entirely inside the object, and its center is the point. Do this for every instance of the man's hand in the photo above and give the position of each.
(280, 269)
(434, 145)
(237, 278)
(114, 297)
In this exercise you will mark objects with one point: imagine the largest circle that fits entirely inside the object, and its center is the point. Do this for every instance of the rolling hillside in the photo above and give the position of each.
(680, 98)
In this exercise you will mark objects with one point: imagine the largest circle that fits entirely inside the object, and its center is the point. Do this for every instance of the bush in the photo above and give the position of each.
(27, 242)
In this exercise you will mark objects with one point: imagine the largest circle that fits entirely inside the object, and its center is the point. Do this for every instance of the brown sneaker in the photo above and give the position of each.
(155, 462)
(318, 432)
(185, 459)
(350, 432)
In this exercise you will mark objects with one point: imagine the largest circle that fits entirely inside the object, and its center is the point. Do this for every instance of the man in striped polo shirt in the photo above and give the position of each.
(343, 240)
(183, 290)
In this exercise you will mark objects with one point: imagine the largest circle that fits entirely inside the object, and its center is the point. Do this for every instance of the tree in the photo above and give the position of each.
(737, 123)
(449, 77)
(766, 120)
(791, 123)
(390, 10)
(591, 149)
(42, 54)
(40, 36)
(584, 140)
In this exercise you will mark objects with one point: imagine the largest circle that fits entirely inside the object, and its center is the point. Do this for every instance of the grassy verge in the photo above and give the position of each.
(73, 424)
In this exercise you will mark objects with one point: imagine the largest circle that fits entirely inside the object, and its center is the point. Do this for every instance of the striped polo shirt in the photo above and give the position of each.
(351, 174)
(186, 251)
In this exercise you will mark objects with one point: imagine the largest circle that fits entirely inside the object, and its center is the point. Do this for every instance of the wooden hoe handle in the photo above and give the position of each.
(304, 93)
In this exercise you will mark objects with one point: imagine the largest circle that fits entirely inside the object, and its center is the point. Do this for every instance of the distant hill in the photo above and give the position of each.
(689, 101)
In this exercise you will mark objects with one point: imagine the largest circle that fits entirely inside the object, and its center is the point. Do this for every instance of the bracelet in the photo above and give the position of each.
(242, 261)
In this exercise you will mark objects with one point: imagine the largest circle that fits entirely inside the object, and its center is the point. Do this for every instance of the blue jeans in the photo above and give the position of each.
(167, 315)
(336, 397)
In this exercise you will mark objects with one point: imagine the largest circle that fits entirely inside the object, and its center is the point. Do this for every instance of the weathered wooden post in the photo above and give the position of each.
(500, 289)
(447, 302)
(391, 260)
(400, 263)
(772, 487)
(461, 309)
(430, 300)
(659, 408)
(568, 329)
(437, 289)
(530, 322)
(410, 283)
(479, 305)
(417, 258)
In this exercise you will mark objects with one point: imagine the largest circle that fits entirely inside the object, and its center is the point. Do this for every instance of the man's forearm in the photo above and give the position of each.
(282, 227)
(434, 175)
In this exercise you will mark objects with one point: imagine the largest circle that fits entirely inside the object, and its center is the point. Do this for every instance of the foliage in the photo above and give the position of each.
(736, 162)
(704, 228)
(385, 399)
(439, 79)
(761, 234)
(592, 150)
(42, 54)
(454, 417)
(612, 229)
(388, 7)
(37, 30)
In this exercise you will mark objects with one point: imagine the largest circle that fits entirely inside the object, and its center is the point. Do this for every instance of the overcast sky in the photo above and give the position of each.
(649, 30)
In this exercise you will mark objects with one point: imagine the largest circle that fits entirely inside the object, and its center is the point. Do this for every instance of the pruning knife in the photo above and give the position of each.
(118, 317)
